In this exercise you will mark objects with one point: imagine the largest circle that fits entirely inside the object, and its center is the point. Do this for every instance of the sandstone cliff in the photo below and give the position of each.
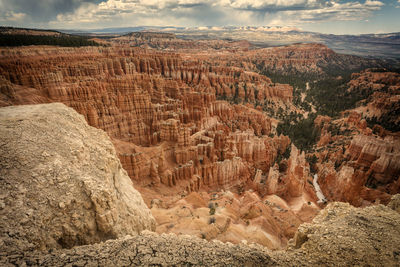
(161, 111)
(169, 41)
(311, 60)
(355, 165)
(359, 160)
(147, 98)
(177, 132)
(381, 96)
(62, 184)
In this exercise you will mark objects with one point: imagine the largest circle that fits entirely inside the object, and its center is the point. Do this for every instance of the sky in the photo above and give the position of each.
(324, 16)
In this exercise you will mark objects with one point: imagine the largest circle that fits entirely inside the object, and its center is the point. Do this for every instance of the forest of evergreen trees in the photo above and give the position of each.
(302, 133)
(61, 40)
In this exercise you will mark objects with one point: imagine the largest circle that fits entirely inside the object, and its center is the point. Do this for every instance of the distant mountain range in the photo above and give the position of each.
(385, 45)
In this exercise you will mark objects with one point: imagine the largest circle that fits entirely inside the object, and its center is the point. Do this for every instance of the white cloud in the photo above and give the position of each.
(112, 13)
(11, 16)
(374, 3)
(336, 12)
(275, 4)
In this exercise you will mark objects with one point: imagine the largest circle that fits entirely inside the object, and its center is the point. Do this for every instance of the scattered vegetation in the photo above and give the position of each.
(211, 220)
(211, 206)
(327, 91)
(285, 155)
(386, 120)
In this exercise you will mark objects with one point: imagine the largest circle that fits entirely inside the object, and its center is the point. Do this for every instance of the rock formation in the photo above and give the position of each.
(63, 187)
(296, 59)
(381, 158)
(339, 235)
(344, 235)
(143, 99)
(188, 122)
(381, 93)
(169, 41)
(359, 164)
(62, 184)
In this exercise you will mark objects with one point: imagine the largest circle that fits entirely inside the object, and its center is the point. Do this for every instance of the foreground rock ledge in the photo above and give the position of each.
(61, 182)
(340, 235)
(62, 185)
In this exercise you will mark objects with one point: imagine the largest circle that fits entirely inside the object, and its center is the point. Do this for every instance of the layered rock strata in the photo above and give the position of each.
(146, 99)
(381, 90)
(357, 166)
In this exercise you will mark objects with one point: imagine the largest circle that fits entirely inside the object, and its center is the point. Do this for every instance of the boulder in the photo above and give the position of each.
(62, 183)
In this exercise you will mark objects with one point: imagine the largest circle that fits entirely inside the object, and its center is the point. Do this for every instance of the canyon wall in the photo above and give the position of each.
(143, 99)
(359, 159)
(381, 90)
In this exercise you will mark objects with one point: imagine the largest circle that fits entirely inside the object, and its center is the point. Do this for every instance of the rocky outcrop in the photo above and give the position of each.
(330, 238)
(291, 180)
(380, 157)
(364, 172)
(304, 58)
(339, 235)
(62, 184)
(380, 91)
(169, 41)
(151, 249)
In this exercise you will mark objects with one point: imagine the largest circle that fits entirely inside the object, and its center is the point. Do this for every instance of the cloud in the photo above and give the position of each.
(39, 11)
(349, 11)
(10, 16)
(277, 5)
(218, 12)
(374, 3)
(114, 13)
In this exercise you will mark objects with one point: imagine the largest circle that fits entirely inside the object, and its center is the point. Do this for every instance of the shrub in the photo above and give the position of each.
(212, 211)
(211, 220)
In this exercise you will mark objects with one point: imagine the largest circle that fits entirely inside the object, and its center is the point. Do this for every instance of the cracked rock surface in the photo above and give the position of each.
(341, 235)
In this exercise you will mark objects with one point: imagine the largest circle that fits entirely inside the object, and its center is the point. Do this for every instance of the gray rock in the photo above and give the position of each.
(61, 182)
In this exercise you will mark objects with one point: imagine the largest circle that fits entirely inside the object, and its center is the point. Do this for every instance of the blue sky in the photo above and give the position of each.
(332, 16)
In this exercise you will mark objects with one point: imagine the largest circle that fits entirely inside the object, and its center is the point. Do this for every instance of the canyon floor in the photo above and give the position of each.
(223, 141)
